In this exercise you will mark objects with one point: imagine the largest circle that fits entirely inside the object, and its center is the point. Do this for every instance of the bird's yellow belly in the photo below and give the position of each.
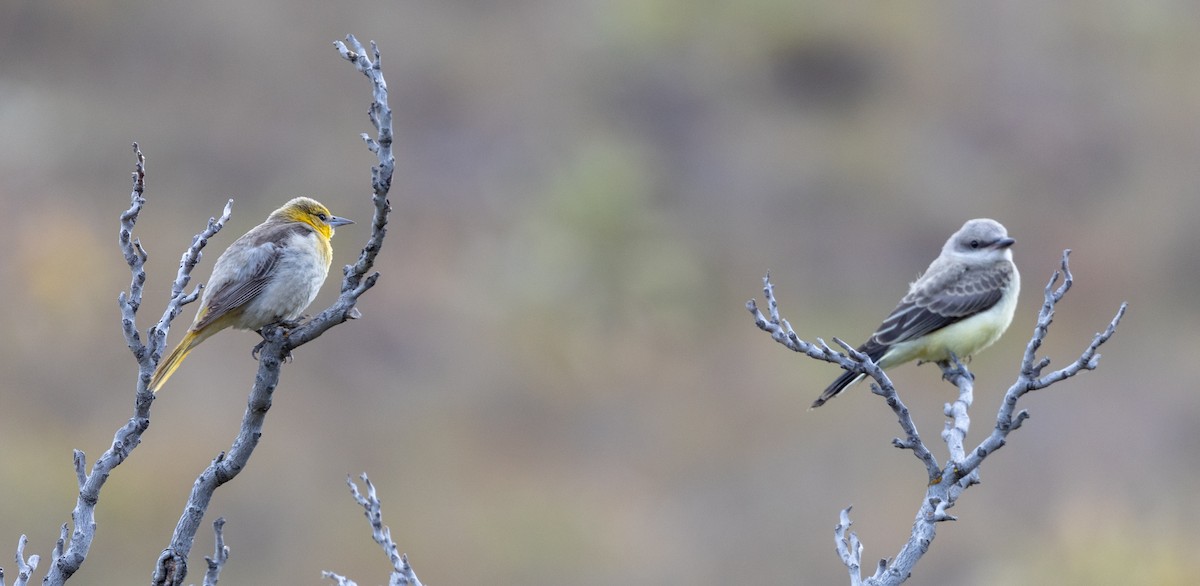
(963, 339)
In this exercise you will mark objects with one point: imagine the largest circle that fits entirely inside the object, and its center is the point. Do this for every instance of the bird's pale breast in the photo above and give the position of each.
(294, 282)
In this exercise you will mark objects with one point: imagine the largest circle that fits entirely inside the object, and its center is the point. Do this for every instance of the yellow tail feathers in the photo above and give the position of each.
(167, 365)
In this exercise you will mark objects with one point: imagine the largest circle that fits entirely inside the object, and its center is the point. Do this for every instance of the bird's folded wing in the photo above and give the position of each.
(258, 264)
(941, 302)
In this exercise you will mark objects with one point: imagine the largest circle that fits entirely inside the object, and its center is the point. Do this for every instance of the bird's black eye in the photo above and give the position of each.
(974, 243)
(321, 216)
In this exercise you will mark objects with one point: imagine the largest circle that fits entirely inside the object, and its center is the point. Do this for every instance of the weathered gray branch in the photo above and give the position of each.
(25, 566)
(1030, 377)
(73, 546)
(849, 548)
(278, 342)
(220, 554)
(781, 331)
(402, 573)
(962, 467)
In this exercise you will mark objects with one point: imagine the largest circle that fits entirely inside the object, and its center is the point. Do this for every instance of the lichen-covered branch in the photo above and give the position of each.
(402, 573)
(278, 342)
(962, 467)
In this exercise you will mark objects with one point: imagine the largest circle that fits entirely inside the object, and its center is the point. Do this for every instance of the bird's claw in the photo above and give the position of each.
(257, 348)
(287, 357)
(286, 325)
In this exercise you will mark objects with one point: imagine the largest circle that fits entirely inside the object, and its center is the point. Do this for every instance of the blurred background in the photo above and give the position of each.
(556, 381)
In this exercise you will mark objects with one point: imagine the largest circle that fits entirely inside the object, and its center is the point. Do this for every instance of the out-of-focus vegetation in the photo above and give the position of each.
(556, 381)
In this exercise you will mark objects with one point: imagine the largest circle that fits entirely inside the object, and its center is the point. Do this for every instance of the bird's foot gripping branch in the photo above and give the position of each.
(962, 467)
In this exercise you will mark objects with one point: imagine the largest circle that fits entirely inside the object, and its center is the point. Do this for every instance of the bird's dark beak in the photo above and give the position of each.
(1005, 242)
(336, 221)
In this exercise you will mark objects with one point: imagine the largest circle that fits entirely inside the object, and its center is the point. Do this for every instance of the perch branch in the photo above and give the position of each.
(278, 342)
(781, 331)
(962, 467)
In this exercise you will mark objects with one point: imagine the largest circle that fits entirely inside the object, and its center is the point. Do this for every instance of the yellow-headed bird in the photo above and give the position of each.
(269, 275)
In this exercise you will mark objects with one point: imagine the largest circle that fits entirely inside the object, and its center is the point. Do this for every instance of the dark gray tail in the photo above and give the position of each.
(874, 350)
(848, 378)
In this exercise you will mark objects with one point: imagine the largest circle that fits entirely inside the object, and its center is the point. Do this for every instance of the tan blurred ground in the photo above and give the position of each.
(557, 382)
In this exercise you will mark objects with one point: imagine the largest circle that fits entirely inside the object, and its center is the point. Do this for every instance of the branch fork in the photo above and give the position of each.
(73, 546)
(962, 467)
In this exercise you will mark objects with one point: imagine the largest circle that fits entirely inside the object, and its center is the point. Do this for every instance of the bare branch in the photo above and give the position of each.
(781, 331)
(358, 277)
(338, 578)
(402, 572)
(73, 546)
(1029, 378)
(849, 548)
(278, 342)
(962, 468)
(135, 257)
(958, 422)
(220, 554)
(25, 566)
(171, 569)
(187, 262)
